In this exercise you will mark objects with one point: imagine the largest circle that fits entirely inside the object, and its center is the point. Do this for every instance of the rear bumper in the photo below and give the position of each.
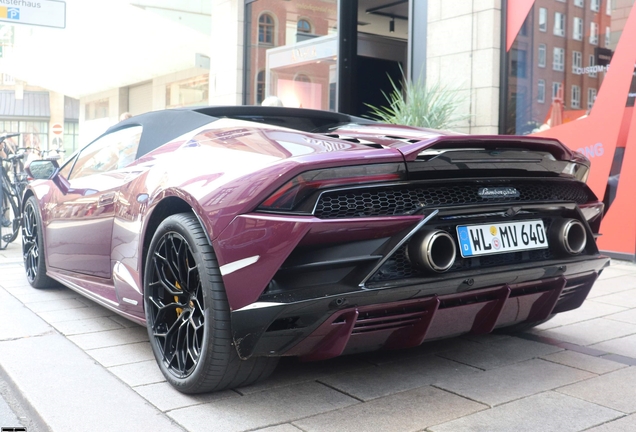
(406, 316)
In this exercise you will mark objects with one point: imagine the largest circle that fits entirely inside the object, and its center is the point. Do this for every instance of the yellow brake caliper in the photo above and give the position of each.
(176, 299)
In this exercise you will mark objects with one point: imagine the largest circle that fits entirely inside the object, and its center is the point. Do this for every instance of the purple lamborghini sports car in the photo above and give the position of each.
(241, 234)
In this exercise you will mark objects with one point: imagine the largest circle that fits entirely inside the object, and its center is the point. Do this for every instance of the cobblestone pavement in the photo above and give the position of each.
(80, 367)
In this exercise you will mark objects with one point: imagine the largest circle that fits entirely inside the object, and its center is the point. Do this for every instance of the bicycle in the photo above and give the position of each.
(11, 194)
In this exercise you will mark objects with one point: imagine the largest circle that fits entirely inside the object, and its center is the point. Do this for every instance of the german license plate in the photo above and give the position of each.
(486, 239)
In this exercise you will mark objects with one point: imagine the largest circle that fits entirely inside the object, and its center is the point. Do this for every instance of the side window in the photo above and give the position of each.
(66, 168)
(108, 153)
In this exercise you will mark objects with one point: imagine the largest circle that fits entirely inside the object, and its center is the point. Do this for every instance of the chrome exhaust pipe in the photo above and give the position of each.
(432, 250)
(569, 235)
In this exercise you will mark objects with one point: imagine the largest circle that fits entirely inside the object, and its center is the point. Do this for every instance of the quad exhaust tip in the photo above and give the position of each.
(570, 236)
(432, 250)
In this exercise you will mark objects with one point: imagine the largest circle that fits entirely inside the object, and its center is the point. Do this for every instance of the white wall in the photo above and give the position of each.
(464, 42)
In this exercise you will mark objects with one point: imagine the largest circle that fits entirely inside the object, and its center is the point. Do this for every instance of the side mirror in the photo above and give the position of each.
(42, 169)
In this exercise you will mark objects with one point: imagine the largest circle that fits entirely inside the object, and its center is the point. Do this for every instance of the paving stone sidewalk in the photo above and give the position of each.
(81, 367)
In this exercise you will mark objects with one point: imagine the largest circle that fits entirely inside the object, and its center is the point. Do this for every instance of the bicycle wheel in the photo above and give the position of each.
(10, 217)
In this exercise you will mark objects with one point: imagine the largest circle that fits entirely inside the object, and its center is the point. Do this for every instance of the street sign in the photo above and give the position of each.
(57, 129)
(47, 13)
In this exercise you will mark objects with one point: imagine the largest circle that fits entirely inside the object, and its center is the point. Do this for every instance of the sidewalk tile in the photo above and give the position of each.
(628, 316)
(110, 338)
(626, 424)
(58, 316)
(292, 371)
(498, 386)
(584, 362)
(142, 373)
(546, 412)
(92, 325)
(589, 332)
(604, 286)
(71, 392)
(499, 353)
(56, 305)
(166, 398)
(269, 408)
(122, 354)
(589, 310)
(625, 346)
(623, 299)
(413, 410)
(16, 321)
(367, 384)
(280, 428)
(613, 390)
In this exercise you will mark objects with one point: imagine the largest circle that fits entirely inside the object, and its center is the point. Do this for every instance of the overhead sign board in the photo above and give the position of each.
(47, 13)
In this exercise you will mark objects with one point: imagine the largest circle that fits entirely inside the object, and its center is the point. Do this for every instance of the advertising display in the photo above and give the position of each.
(571, 76)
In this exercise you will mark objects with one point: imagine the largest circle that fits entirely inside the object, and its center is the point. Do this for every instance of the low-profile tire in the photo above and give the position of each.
(187, 313)
(32, 246)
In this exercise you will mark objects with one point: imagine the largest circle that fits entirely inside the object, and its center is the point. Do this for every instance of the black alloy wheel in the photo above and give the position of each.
(32, 249)
(187, 313)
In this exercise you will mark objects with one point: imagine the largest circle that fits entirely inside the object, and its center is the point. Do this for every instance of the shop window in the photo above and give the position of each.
(577, 29)
(595, 5)
(96, 109)
(303, 26)
(71, 137)
(541, 91)
(591, 64)
(608, 37)
(541, 57)
(543, 19)
(594, 33)
(188, 92)
(558, 59)
(260, 87)
(577, 62)
(578, 3)
(559, 24)
(266, 29)
(591, 97)
(575, 100)
(518, 63)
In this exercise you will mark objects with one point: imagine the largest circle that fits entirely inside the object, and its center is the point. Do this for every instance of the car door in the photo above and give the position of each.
(80, 223)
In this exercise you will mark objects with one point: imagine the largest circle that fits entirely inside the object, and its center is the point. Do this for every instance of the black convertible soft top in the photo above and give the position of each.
(162, 126)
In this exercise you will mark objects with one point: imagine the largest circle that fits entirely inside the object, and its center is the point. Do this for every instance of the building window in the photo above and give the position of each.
(559, 24)
(303, 26)
(576, 97)
(577, 62)
(541, 91)
(260, 87)
(591, 64)
(96, 109)
(266, 29)
(558, 59)
(594, 33)
(577, 29)
(578, 3)
(543, 19)
(591, 97)
(595, 5)
(541, 58)
(302, 78)
(518, 63)
(71, 137)
(608, 37)
(189, 92)
(608, 7)
(556, 91)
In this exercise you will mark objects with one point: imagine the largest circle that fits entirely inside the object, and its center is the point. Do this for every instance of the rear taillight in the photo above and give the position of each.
(292, 193)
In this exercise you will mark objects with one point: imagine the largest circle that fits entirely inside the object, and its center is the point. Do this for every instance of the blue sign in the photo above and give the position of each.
(13, 13)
